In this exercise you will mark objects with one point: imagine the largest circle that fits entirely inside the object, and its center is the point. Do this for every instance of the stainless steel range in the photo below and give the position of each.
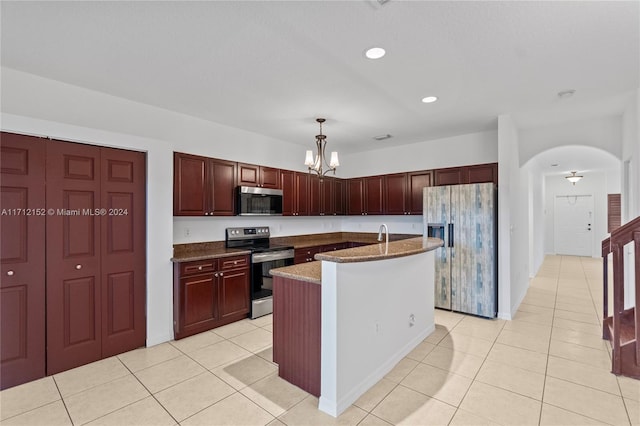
(264, 257)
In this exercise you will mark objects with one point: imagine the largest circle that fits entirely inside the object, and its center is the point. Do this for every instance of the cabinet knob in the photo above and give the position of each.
(215, 275)
(78, 266)
(199, 268)
(221, 274)
(235, 262)
(206, 213)
(10, 273)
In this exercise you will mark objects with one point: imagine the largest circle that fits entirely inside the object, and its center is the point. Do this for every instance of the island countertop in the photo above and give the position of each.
(311, 271)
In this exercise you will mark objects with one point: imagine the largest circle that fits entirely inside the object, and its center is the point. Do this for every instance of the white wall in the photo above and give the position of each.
(513, 221)
(474, 148)
(604, 133)
(596, 184)
(536, 219)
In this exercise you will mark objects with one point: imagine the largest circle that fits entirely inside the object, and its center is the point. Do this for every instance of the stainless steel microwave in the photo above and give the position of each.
(253, 201)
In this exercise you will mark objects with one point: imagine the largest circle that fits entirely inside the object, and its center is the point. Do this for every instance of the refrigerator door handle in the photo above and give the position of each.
(450, 235)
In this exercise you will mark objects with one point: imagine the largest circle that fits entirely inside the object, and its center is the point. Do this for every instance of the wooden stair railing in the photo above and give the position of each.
(623, 328)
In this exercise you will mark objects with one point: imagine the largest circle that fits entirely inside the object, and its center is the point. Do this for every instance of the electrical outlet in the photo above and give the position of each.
(187, 232)
(412, 320)
(378, 328)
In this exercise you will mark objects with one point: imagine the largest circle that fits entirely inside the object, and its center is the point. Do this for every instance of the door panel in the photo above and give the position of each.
(123, 253)
(22, 260)
(73, 256)
(223, 185)
(234, 293)
(417, 182)
(374, 196)
(189, 185)
(573, 221)
(474, 286)
(437, 202)
(395, 193)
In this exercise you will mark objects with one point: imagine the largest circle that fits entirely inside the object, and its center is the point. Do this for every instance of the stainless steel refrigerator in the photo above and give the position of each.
(466, 273)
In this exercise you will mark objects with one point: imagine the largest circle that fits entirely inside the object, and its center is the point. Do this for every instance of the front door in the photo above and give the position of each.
(573, 217)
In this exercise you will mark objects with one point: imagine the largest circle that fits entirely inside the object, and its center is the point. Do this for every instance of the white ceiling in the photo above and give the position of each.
(272, 67)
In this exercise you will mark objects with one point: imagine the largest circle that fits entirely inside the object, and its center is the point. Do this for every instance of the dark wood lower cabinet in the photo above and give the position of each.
(22, 259)
(210, 293)
(91, 237)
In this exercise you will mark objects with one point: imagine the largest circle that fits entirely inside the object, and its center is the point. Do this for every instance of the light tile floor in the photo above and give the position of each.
(547, 366)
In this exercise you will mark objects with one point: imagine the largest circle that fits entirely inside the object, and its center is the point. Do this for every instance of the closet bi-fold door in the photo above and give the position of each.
(22, 256)
(123, 250)
(73, 256)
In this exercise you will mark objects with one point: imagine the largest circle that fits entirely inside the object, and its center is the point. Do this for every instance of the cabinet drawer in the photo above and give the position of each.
(234, 262)
(190, 268)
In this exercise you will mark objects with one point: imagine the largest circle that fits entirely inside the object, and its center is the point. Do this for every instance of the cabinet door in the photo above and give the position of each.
(395, 191)
(302, 191)
(314, 195)
(248, 175)
(482, 173)
(234, 293)
(73, 256)
(339, 196)
(270, 177)
(123, 248)
(189, 180)
(450, 176)
(416, 182)
(374, 195)
(289, 193)
(355, 196)
(327, 205)
(199, 304)
(222, 186)
(22, 259)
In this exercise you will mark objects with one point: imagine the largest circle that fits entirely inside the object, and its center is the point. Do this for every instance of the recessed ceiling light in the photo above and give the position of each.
(375, 53)
(429, 99)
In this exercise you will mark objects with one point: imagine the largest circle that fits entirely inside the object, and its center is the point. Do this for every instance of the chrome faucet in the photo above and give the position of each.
(386, 231)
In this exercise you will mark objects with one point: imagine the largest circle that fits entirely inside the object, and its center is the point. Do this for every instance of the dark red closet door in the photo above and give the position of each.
(22, 259)
(123, 250)
(73, 256)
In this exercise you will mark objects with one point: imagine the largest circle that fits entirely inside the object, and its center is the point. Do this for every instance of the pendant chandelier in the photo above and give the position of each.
(573, 178)
(316, 163)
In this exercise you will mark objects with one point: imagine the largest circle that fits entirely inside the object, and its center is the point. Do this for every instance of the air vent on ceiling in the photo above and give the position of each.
(382, 137)
(382, 2)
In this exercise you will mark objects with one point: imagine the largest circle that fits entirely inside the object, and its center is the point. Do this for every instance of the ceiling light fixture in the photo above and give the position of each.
(375, 53)
(573, 178)
(316, 163)
(429, 99)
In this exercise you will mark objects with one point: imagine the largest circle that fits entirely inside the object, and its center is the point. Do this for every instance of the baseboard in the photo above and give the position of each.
(335, 408)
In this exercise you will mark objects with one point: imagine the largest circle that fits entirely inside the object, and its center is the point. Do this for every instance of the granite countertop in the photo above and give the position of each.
(308, 271)
(202, 251)
(214, 249)
(312, 271)
(382, 251)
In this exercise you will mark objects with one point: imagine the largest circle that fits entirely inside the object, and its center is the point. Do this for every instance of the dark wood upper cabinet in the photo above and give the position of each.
(261, 176)
(449, 176)
(478, 173)
(327, 197)
(482, 173)
(374, 198)
(222, 187)
(315, 202)
(295, 193)
(416, 182)
(355, 196)
(339, 197)
(365, 195)
(395, 192)
(203, 186)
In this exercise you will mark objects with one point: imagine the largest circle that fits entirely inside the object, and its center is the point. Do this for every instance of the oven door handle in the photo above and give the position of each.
(266, 257)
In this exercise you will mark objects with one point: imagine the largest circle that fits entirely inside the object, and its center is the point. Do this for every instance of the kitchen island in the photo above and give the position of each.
(340, 324)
